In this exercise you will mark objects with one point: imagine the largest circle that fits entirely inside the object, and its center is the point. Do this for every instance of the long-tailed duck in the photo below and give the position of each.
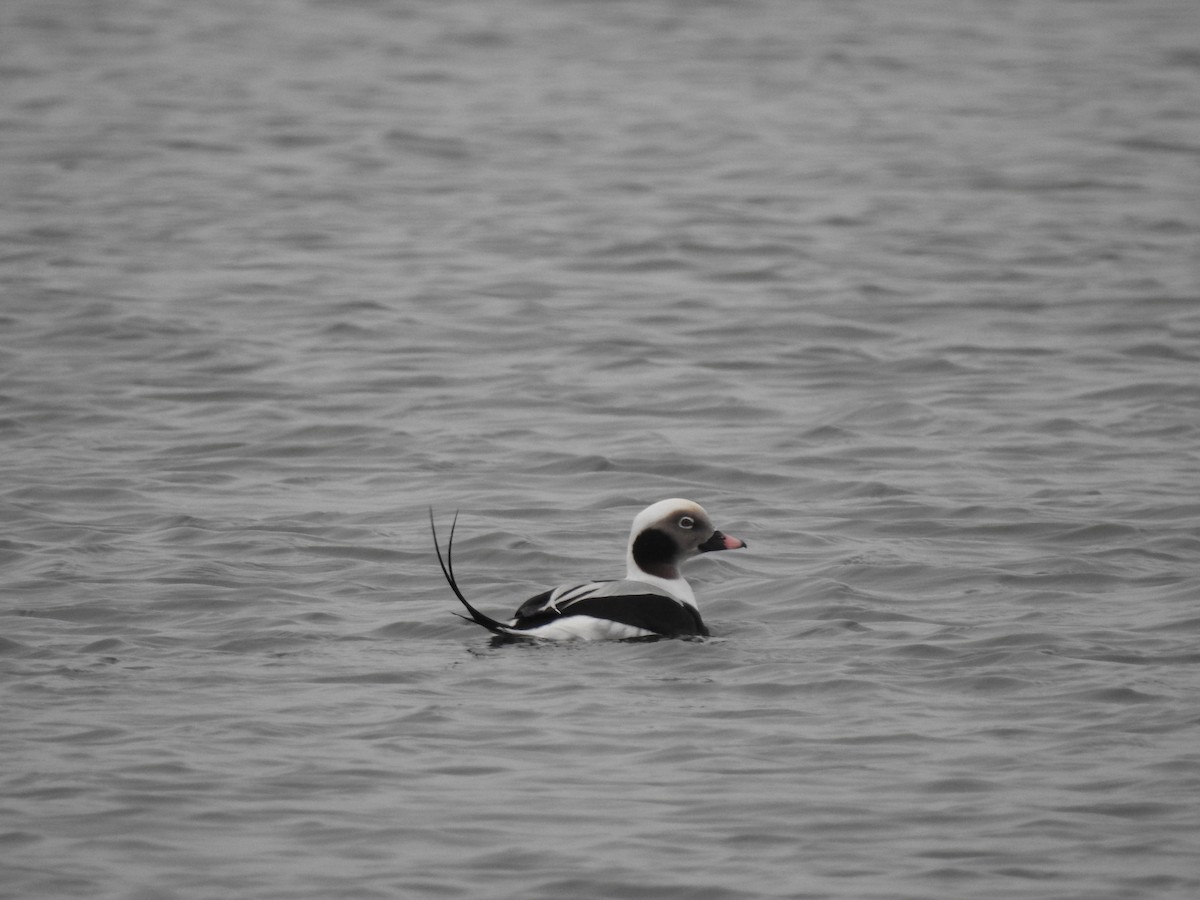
(652, 600)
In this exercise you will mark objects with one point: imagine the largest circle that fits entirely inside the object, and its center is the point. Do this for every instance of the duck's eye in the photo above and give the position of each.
(686, 522)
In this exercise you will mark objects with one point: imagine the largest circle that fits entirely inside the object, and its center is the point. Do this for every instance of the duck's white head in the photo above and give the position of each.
(666, 534)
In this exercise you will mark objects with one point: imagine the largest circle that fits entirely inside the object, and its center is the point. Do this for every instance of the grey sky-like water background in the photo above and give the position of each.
(906, 294)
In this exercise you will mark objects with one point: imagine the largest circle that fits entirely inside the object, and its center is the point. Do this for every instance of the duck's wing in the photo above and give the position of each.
(553, 599)
(612, 608)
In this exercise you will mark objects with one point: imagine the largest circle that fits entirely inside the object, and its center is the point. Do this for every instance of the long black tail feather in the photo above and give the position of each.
(448, 571)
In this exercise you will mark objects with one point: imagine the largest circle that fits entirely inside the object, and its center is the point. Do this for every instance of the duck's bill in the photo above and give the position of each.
(720, 541)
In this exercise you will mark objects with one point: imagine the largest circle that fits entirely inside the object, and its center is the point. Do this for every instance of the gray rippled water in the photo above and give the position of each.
(907, 294)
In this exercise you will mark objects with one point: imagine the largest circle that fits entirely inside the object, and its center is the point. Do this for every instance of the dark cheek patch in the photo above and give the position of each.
(655, 553)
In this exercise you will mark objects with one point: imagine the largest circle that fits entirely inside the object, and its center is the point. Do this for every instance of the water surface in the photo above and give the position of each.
(907, 295)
